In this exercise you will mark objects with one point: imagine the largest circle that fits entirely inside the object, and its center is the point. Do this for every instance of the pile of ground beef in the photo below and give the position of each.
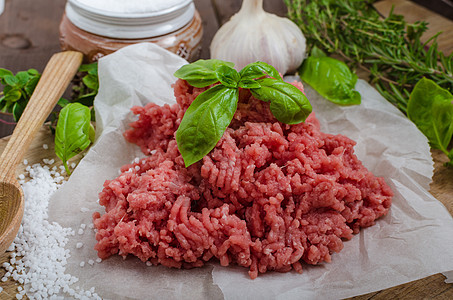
(269, 196)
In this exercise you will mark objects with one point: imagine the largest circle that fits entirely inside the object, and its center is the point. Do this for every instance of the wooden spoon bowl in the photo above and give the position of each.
(58, 73)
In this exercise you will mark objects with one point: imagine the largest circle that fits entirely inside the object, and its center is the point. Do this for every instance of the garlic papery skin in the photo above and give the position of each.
(254, 35)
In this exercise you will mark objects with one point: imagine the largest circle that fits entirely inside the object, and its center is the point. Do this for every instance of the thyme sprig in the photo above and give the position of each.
(388, 48)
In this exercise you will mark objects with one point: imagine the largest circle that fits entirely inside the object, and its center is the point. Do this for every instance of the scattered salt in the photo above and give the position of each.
(153, 151)
(137, 168)
(98, 260)
(82, 264)
(91, 262)
(83, 226)
(1, 289)
(136, 160)
(84, 209)
(25, 162)
(73, 165)
(149, 264)
(38, 256)
(80, 231)
(45, 146)
(79, 245)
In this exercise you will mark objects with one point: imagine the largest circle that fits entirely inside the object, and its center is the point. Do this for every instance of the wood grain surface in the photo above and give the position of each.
(29, 36)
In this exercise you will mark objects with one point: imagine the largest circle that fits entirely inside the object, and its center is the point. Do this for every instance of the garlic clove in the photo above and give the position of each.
(254, 35)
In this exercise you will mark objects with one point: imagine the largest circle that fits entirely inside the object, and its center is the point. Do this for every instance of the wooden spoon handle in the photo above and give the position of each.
(57, 74)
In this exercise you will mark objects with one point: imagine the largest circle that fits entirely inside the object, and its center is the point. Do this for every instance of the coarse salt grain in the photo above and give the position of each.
(84, 209)
(43, 275)
(91, 262)
(45, 146)
(79, 245)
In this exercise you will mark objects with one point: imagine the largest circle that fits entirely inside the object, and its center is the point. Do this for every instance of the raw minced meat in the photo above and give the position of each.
(269, 196)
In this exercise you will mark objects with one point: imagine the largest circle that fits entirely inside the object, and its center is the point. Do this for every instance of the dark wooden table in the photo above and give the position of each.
(29, 36)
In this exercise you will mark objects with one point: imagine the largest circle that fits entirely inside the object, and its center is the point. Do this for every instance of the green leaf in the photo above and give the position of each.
(4, 72)
(201, 73)
(287, 103)
(89, 68)
(11, 80)
(430, 107)
(33, 72)
(22, 77)
(228, 76)
(31, 85)
(205, 121)
(249, 84)
(72, 134)
(91, 81)
(62, 102)
(18, 109)
(316, 52)
(331, 78)
(259, 69)
(13, 95)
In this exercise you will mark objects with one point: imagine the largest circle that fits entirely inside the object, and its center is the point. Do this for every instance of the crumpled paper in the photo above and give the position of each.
(413, 241)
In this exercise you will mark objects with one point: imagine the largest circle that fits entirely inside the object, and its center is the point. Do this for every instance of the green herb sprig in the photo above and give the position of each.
(72, 125)
(211, 112)
(17, 90)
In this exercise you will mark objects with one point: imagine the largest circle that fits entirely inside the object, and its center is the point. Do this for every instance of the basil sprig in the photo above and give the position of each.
(211, 112)
(74, 132)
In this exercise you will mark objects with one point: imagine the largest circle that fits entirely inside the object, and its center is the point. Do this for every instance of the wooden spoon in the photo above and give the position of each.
(58, 73)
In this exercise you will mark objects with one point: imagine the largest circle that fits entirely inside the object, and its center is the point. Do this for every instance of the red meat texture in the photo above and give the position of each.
(269, 196)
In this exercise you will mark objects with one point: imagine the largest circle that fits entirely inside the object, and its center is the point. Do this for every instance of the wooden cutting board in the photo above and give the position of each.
(432, 287)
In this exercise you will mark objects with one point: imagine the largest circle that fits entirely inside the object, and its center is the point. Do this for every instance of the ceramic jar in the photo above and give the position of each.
(97, 31)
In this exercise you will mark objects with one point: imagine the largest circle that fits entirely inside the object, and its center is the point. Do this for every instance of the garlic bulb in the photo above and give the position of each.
(254, 35)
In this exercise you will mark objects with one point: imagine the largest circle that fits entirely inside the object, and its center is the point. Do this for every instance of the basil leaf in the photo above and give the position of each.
(33, 72)
(205, 121)
(287, 103)
(31, 85)
(248, 84)
(91, 81)
(11, 80)
(22, 77)
(430, 107)
(316, 52)
(259, 69)
(89, 68)
(62, 102)
(18, 109)
(72, 134)
(202, 72)
(228, 76)
(4, 72)
(331, 78)
(13, 95)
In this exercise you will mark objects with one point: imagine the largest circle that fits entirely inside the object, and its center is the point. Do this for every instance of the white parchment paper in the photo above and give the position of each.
(413, 241)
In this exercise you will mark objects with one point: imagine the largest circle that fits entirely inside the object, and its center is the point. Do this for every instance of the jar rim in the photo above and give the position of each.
(128, 15)
(129, 25)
